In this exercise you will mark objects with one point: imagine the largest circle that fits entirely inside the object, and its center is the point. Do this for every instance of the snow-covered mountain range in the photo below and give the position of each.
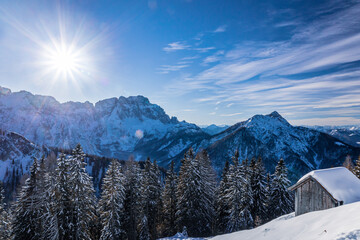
(120, 127)
(348, 134)
(115, 127)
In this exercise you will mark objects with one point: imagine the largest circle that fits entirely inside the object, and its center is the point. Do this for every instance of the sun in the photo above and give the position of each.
(63, 60)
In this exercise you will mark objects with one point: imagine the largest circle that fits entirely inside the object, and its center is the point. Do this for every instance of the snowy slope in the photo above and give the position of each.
(339, 223)
(16, 154)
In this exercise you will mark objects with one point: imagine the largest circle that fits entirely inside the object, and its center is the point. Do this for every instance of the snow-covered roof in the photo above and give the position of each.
(342, 184)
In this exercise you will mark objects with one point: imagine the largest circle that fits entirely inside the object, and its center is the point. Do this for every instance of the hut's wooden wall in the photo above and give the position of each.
(311, 196)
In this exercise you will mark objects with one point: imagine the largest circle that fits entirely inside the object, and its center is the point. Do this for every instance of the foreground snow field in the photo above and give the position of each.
(341, 223)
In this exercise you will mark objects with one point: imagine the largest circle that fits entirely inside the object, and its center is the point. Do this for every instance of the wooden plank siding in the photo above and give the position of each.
(310, 196)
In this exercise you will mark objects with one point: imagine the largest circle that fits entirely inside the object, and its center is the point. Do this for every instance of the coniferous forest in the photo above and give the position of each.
(137, 202)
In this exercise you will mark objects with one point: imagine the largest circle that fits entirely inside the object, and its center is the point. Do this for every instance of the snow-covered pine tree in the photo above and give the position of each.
(234, 196)
(247, 199)
(188, 194)
(154, 199)
(59, 218)
(356, 169)
(281, 199)
(169, 202)
(148, 205)
(27, 215)
(268, 198)
(82, 196)
(223, 201)
(240, 196)
(182, 192)
(5, 217)
(258, 186)
(209, 186)
(132, 198)
(111, 204)
(195, 209)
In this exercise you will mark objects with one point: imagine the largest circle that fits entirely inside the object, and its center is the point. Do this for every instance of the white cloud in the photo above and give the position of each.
(164, 69)
(215, 57)
(220, 29)
(229, 105)
(204, 49)
(176, 46)
(231, 114)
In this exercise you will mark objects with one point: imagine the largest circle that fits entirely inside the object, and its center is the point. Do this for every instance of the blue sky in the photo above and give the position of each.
(203, 61)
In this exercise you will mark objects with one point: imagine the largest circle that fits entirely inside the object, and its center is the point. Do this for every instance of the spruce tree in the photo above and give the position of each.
(59, 218)
(27, 215)
(150, 199)
(5, 218)
(258, 186)
(82, 196)
(223, 201)
(132, 198)
(111, 204)
(268, 198)
(209, 186)
(169, 202)
(195, 209)
(281, 199)
(240, 195)
(247, 200)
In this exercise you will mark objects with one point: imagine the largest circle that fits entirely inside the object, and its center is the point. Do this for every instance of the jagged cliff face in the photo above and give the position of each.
(115, 127)
(120, 127)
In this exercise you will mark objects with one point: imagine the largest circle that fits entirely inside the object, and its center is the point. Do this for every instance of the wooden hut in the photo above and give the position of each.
(326, 188)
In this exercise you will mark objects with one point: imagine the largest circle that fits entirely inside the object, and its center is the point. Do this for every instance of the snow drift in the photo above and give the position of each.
(340, 223)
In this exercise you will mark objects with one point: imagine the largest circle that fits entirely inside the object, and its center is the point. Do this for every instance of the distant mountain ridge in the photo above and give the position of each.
(214, 129)
(348, 134)
(272, 137)
(120, 127)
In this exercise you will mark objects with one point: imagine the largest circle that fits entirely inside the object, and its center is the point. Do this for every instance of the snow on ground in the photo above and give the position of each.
(340, 223)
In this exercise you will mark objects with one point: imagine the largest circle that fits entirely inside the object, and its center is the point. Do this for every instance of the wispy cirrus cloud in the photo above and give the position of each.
(316, 70)
(176, 46)
(231, 114)
(204, 49)
(164, 69)
(214, 58)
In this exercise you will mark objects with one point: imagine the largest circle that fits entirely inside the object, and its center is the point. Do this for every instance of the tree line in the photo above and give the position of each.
(137, 203)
